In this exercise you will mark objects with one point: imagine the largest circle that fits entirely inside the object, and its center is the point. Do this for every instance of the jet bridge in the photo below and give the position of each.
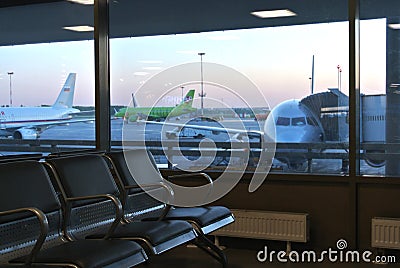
(373, 128)
(331, 108)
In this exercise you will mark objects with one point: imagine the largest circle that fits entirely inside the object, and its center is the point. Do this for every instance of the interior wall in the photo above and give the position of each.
(326, 204)
(329, 205)
(375, 200)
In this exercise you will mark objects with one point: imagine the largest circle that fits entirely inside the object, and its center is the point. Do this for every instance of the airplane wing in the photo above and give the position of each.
(32, 130)
(85, 112)
(61, 122)
(249, 133)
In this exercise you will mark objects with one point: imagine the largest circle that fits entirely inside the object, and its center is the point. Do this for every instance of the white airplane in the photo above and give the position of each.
(292, 122)
(29, 122)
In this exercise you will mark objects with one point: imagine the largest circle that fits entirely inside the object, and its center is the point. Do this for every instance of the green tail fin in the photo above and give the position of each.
(188, 99)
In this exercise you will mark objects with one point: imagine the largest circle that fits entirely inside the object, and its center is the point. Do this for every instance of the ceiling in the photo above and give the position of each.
(40, 21)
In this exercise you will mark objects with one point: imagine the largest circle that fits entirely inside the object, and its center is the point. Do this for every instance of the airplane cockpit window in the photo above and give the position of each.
(299, 121)
(283, 121)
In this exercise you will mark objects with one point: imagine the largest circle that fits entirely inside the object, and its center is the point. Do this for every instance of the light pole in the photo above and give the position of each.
(339, 71)
(10, 74)
(182, 94)
(312, 75)
(202, 94)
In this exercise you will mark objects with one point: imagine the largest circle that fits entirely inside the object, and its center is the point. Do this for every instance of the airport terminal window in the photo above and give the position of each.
(279, 60)
(46, 78)
(379, 82)
(40, 60)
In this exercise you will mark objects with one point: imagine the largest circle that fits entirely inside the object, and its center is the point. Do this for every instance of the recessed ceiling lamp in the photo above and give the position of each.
(82, 2)
(394, 85)
(82, 28)
(394, 26)
(152, 68)
(140, 73)
(274, 13)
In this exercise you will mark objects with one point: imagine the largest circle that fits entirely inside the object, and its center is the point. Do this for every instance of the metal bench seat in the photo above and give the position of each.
(89, 175)
(141, 164)
(208, 219)
(31, 225)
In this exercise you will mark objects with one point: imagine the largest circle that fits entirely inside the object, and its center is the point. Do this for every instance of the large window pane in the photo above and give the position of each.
(299, 64)
(379, 113)
(46, 78)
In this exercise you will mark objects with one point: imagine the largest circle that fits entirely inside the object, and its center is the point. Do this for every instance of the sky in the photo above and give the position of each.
(277, 61)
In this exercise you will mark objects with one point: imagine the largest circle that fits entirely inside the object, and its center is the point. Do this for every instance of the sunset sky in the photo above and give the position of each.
(276, 60)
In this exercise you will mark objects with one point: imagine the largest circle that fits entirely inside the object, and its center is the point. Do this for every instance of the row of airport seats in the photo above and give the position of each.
(85, 210)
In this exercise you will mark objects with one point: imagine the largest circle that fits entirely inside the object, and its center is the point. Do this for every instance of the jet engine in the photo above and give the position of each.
(25, 134)
(374, 162)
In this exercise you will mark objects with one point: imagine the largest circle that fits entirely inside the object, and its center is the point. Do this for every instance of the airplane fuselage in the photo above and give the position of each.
(17, 117)
(134, 113)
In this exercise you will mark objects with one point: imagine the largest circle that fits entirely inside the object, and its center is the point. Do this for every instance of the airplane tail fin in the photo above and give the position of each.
(66, 96)
(134, 102)
(188, 99)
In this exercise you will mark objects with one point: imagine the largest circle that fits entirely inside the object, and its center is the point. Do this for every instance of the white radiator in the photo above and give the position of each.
(385, 233)
(290, 227)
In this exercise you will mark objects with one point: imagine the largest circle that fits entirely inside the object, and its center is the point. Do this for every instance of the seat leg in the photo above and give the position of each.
(210, 248)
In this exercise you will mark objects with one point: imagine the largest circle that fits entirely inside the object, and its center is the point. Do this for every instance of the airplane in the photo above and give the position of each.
(30, 122)
(293, 122)
(133, 114)
(290, 122)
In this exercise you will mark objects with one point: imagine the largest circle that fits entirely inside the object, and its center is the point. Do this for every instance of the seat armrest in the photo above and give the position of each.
(188, 175)
(210, 182)
(118, 210)
(44, 228)
(157, 185)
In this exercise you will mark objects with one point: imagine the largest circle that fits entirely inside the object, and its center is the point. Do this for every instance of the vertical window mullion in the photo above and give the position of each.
(102, 75)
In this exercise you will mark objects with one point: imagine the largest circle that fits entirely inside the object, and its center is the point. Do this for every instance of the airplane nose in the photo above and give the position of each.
(290, 136)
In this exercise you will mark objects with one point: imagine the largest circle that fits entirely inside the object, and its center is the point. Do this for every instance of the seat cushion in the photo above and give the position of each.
(88, 253)
(201, 215)
(156, 232)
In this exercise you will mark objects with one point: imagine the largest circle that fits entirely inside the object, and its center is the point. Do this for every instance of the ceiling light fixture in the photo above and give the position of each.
(394, 26)
(140, 73)
(273, 13)
(394, 85)
(152, 68)
(82, 28)
(82, 2)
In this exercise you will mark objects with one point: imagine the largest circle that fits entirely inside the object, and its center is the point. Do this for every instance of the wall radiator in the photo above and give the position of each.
(385, 233)
(282, 226)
